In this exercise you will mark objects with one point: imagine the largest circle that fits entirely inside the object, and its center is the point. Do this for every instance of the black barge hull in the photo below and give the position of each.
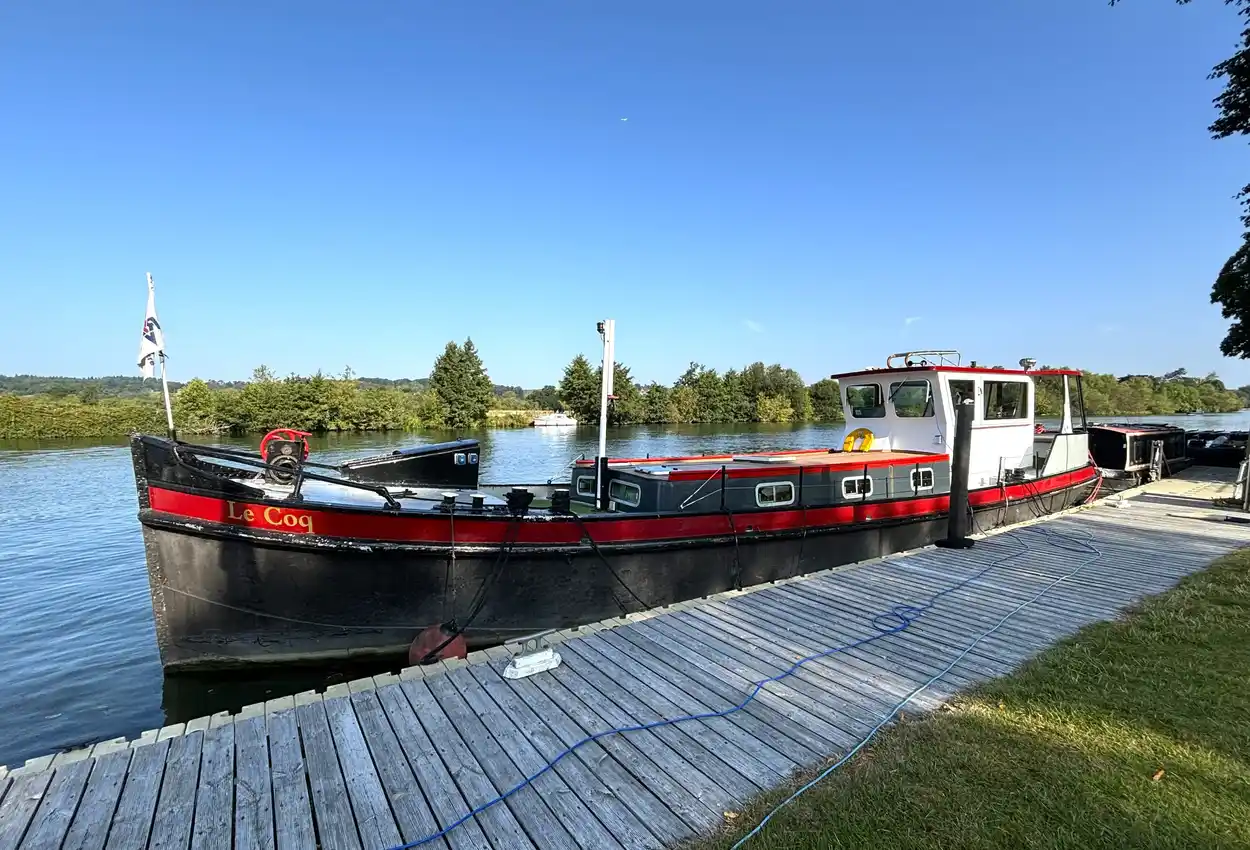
(279, 590)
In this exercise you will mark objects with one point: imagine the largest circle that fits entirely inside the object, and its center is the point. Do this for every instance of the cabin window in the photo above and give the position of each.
(865, 401)
(911, 399)
(625, 493)
(585, 485)
(1006, 400)
(921, 479)
(857, 488)
(962, 391)
(774, 494)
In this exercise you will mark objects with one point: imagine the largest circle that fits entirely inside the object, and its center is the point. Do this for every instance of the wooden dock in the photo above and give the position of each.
(393, 759)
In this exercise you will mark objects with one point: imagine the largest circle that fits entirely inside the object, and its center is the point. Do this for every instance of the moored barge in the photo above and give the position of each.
(272, 558)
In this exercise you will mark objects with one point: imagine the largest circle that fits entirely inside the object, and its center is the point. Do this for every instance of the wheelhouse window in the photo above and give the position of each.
(774, 494)
(921, 479)
(1006, 400)
(865, 401)
(625, 493)
(857, 488)
(962, 391)
(585, 485)
(911, 399)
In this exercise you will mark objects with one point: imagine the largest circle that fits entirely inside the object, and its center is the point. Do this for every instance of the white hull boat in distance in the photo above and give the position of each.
(554, 420)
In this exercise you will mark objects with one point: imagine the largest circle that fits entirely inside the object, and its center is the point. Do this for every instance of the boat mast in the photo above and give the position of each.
(607, 330)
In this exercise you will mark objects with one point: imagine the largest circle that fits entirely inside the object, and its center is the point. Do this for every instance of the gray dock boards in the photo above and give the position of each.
(396, 763)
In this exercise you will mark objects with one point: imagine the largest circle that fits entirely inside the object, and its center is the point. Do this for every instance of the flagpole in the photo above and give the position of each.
(169, 410)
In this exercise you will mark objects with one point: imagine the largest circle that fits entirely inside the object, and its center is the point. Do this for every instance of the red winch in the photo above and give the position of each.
(283, 450)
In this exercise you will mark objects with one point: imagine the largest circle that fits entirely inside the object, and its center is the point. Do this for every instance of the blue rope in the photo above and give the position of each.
(887, 623)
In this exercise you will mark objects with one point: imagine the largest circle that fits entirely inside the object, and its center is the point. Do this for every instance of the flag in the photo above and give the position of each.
(152, 342)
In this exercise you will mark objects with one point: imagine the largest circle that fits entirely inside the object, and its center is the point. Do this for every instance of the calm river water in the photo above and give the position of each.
(78, 658)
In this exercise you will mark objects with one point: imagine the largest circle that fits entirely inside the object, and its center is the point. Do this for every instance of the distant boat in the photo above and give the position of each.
(554, 420)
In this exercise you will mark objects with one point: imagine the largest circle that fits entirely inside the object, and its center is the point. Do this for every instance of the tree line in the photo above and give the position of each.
(459, 394)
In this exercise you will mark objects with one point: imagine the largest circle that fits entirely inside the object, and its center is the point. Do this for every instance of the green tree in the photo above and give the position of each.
(825, 400)
(460, 381)
(657, 404)
(628, 408)
(547, 398)
(89, 394)
(195, 408)
(773, 408)
(580, 390)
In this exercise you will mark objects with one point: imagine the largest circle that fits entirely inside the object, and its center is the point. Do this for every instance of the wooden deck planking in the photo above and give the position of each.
(292, 804)
(214, 798)
(412, 813)
(253, 788)
(585, 829)
(642, 756)
(20, 804)
(392, 763)
(90, 826)
(336, 825)
(730, 785)
(446, 802)
(497, 821)
(527, 805)
(370, 807)
(56, 810)
(175, 808)
(622, 806)
(132, 822)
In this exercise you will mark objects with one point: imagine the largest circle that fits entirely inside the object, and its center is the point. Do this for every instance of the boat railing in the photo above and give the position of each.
(301, 474)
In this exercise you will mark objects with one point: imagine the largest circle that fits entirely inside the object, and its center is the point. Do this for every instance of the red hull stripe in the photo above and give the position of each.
(409, 528)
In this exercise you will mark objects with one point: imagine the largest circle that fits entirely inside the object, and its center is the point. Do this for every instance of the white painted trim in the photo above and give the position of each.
(578, 484)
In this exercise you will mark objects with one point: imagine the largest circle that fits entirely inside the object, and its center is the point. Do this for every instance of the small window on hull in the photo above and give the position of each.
(774, 494)
(921, 479)
(857, 488)
(585, 485)
(626, 493)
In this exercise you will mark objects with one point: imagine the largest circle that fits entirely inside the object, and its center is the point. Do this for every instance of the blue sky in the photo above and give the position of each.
(818, 184)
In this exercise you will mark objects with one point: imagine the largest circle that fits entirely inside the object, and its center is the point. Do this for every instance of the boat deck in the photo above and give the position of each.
(389, 760)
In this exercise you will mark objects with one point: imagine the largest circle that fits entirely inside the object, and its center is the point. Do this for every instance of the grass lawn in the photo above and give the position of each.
(1129, 734)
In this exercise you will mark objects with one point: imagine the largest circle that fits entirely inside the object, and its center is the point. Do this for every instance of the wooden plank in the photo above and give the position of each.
(336, 827)
(253, 793)
(711, 734)
(412, 812)
(644, 756)
(444, 798)
(697, 769)
(563, 799)
(292, 810)
(90, 826)
(756, 739)
(60, 802)
(497, 821)
(372, 810)
(19, 807)
(527, 805)
(797, 743)
(621, 802)
(819, 707)
(890, 665)
(132, 822)
(214, 799)
(175, 810)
